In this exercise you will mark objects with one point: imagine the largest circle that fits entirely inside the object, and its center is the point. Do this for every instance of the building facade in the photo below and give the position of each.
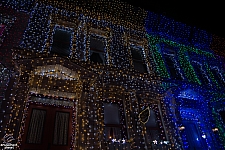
(106, 75)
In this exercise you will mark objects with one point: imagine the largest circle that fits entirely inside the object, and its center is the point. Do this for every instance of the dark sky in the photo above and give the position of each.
(209, 15)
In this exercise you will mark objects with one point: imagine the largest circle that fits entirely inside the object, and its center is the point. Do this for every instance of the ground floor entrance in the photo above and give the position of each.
(193, 136)
(48, 128)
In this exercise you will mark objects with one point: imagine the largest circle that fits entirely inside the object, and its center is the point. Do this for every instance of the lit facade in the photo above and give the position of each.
(89, 75)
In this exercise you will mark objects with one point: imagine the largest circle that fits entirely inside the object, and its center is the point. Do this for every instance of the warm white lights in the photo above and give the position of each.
(181, 128)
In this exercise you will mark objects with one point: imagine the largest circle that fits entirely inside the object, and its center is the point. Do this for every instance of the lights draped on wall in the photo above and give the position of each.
(183, 58)
(120, 27)
(38, 36)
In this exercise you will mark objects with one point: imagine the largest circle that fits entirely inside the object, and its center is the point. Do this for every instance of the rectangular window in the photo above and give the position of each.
(61, 42)
(172, 69)
(199, 72)
(61, 128)
(217, 76)
(36, 126)
(171, 62)
(155, 132)
(112, 119)
(152, 127)
(138, 61)
(97, 52)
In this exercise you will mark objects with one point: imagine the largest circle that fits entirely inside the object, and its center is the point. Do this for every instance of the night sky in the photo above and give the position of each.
(209, 16)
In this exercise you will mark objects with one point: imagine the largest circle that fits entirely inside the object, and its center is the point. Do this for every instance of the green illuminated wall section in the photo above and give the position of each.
(184, 60)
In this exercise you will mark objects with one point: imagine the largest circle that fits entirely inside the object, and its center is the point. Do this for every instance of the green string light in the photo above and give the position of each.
(183, 58)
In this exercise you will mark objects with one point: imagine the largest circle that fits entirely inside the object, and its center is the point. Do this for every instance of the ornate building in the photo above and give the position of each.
(106, 75)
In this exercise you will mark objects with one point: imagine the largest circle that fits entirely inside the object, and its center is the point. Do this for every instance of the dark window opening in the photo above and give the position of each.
(217, 76)
(169, 50)
(174, 74)
(152, 128)
(97, 50)
(222, 114)
(138, 62)
(61, 42)
(112, 120)
(97, 57)
(203, 79)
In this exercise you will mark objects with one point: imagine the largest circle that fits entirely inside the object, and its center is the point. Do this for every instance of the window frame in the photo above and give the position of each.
(104, 53)
(59, 21)
(219, 75)
(121, 120)
(203, 72)
(170, 52)
(140, 49)
(157, 128)
(59, 27)
(101, 33)
(153, 104)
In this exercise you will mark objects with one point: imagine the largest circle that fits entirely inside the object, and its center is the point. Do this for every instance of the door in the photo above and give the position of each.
(194, 138)
(47, 128)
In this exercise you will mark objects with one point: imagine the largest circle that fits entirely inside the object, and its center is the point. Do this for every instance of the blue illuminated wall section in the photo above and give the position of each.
(167, 28)
(191, 44)
(186, 40)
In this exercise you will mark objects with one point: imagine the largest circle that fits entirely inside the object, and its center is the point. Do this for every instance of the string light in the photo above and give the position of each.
(75, 82)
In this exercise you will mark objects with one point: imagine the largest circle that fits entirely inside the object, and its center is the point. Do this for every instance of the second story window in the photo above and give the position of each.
(138, 61)
(171, 67)
(217, 75)
(61, 42)
(170, 60)
(97, 50)
(200, 73)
